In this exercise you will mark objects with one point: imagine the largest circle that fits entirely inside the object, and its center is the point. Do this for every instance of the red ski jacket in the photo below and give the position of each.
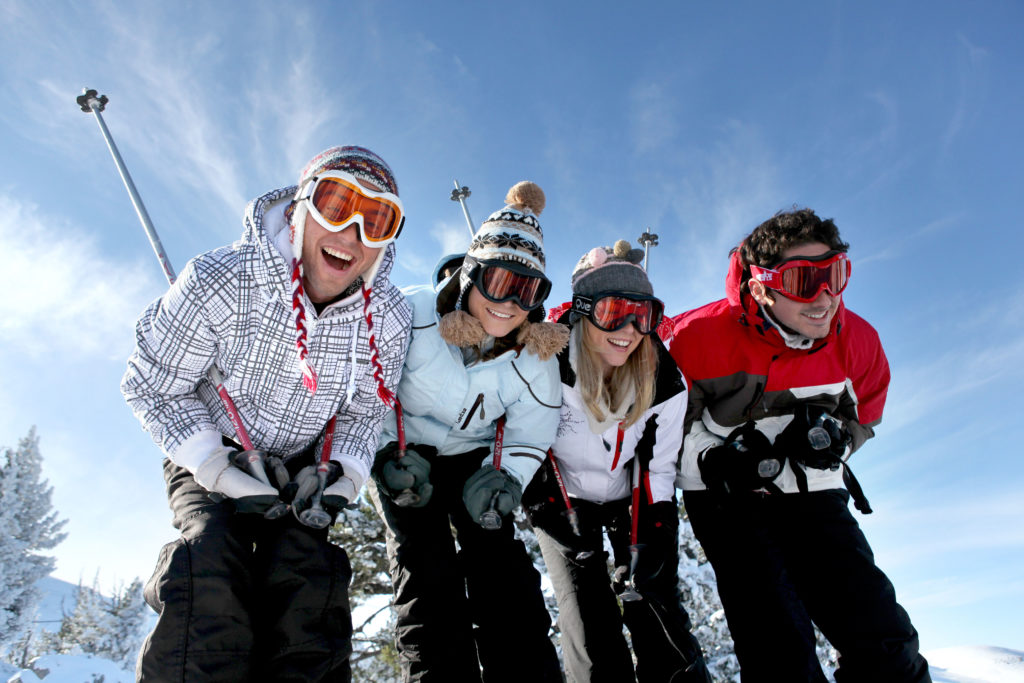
(740, 368)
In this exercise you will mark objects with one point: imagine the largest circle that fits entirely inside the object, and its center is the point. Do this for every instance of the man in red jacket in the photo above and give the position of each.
(786, 384)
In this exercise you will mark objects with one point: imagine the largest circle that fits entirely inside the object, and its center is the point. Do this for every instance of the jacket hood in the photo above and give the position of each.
(265, 252)
(748, 312)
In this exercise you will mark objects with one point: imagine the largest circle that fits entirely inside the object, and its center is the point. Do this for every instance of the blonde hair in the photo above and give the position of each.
(637, 372)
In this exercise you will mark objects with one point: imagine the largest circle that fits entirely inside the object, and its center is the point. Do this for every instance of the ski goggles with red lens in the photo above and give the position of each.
(611, 311)
(501, 281)
(337, 199)
(803, 279)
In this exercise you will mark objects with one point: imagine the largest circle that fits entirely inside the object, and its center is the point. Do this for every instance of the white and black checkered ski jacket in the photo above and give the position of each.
(231, 307)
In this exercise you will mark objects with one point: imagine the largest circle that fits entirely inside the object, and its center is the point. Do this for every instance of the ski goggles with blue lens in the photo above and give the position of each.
(337, 199)
(611, 311)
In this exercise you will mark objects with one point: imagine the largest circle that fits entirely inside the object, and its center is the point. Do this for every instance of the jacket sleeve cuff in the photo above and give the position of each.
(195, 449)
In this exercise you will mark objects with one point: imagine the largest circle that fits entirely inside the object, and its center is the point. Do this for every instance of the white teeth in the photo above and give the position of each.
(498, 314)
(337, 254)
(816, 316)
(619, 343)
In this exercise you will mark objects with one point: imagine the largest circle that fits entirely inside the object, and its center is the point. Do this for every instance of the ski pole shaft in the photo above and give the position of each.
(407, 497)
(89, 101)
(491, 518)
(570, 511)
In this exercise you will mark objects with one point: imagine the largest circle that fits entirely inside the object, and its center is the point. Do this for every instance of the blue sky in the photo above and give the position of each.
(901, 120)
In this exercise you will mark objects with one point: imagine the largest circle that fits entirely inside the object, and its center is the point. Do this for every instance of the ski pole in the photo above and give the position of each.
(89, 101)
(459, 195)
(315, 516)
(631, 594)
(491, 518)
(407, 497)
(570, 511)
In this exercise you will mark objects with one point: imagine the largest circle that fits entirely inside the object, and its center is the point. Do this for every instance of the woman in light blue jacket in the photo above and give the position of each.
(480, 397)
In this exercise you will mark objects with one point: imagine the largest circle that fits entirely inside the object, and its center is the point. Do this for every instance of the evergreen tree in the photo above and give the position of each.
(111, 628)
(28, 525)
(361, 533)
(698, 590)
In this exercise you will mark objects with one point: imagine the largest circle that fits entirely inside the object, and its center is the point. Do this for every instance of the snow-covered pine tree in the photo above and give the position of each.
(28, 525)
(699, 592)
(361, 533)
(111, 628)
(128, 612)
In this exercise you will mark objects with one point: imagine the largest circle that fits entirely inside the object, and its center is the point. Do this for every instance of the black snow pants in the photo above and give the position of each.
(784, 561)
(241, 598)
(460, 611)
(594, 649)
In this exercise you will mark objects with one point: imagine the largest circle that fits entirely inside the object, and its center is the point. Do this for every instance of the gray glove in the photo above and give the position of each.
(395, 478)
(489, 485)
(217, 474)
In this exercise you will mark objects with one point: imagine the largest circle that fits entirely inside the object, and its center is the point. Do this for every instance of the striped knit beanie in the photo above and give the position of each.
(363, 164)
(511, 234)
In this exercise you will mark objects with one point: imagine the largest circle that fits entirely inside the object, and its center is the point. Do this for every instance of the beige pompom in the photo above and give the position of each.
(526, 196)
(621, 249)
(543, 339)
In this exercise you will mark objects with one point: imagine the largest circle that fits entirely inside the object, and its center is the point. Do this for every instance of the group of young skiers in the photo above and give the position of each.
(459, 401)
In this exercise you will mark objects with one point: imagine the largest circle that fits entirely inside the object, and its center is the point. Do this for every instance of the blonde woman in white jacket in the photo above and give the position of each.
(611, 471)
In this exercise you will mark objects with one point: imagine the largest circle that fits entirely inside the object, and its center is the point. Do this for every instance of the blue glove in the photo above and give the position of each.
(489, 486)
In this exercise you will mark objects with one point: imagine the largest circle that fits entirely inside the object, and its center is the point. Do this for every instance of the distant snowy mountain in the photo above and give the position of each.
(976, 664)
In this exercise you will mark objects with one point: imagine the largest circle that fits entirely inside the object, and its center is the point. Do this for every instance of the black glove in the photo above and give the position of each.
(396, 477)
(745, 462)
(489, 485)
(814, 438)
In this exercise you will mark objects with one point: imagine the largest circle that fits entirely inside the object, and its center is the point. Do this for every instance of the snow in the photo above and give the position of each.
(976, 664)
(72, 669)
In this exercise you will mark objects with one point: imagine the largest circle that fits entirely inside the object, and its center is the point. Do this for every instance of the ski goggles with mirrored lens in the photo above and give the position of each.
(501, 281)
(611, 311)
(803, 279)
(337, 199)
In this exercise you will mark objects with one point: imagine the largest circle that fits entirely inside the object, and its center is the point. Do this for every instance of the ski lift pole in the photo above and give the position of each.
(90, 101)
(648, 239)
(459, 195)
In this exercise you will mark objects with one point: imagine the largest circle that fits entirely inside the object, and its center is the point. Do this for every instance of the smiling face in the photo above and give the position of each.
(813, 319)
(497, 319)
(612, 349)
(331, 261)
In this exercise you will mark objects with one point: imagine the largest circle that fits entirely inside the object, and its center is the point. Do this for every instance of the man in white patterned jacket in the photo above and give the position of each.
(310, 335)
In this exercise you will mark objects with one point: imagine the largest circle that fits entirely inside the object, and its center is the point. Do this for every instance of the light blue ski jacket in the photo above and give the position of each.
(454, 407)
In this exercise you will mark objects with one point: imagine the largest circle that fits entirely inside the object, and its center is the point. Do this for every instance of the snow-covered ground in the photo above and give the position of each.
(967, 664)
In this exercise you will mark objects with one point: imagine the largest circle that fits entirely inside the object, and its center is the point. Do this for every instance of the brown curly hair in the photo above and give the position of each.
(764, 246)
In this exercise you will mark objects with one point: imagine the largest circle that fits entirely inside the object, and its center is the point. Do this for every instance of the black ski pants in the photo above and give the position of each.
(594, 649)
(241, 598)
(784, 561)
(458, 611)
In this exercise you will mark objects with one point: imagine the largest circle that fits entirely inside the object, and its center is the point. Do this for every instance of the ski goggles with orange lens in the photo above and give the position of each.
(337, 199)
(611, 311)
(803, 279)
(501, 281)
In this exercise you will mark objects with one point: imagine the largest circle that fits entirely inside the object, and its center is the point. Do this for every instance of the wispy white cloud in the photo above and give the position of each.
(971, 86)
(653, 116)
(61, 292)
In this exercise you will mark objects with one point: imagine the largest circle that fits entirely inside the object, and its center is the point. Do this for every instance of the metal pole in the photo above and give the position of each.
(89, 101)
(459, 195)
(648, 239)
